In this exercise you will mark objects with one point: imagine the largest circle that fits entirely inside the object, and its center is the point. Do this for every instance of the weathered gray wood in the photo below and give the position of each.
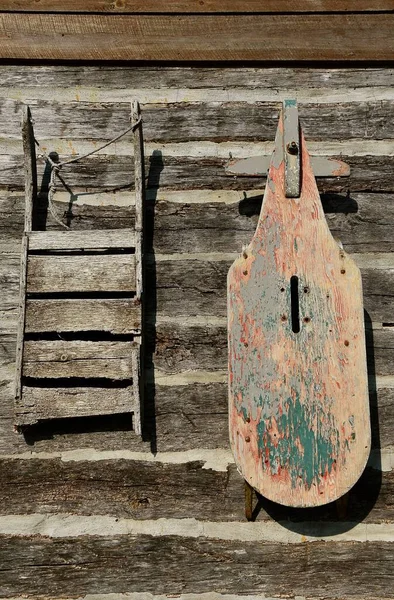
(197, 287)
(139, 185)
(78, 240)
(213, 121)
(62, 359)
(39, 404)
(186, 417)
(114, 316)
(105, 273)
(138, 386)
(21, 317)
(30, 166)
(150, 490)
(184, 173)
(361, 221)
(64, 567)
(180, 347)
(128, 77)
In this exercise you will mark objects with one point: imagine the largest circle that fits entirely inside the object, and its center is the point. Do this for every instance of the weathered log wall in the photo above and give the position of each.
(86, 506)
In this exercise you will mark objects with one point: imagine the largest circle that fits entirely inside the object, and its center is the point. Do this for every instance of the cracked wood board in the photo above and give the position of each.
(298, 401)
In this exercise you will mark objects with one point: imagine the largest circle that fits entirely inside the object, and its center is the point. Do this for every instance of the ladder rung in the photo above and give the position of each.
(53, 403)
(59, 359)
(117, 316)
(82, 240)
(70, 273)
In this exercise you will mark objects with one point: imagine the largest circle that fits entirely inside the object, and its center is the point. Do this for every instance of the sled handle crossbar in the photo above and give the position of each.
(257, 166)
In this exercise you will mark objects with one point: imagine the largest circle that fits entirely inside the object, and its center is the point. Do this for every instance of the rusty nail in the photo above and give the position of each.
(343, 271)
(306, 319)
(284, 318)
(248, 419)
(246, 344)
(245, 254)
(346, 343)
(245, 272)
(247, 439)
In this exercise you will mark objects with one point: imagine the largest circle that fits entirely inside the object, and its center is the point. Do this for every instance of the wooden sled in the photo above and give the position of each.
(298, 387)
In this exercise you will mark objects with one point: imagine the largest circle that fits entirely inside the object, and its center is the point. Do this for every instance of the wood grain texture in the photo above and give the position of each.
(183, 413)
(40, 404)
(196, 286)
(187, 38)
(112, 78)
(178, 416)
(173, 565)
(104, 273)
(81, 240)
(182, 346)
(190, 173)
(196, 6)
(214, 121)
(21, 317)
(151, 490)
(64, 359)
(298, 391)
(360, 220)
(113, 316)
(30, 166)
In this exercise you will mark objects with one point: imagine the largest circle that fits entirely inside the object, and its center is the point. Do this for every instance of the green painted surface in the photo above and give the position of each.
(306, 445)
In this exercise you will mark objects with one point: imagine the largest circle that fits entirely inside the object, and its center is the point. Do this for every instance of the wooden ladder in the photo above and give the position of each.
(79, 345)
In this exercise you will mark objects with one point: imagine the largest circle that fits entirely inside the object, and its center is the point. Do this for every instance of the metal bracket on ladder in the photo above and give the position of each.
(80, 330)
(257, 166)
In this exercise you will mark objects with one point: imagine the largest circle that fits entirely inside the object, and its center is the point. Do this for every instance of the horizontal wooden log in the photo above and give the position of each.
(112, 316)
(39, 404)
(197, 287)
(181, 346)
(77, 77)
(193, 37)
(197, 414)
(367, 173)
(155, 490)
(196, 6)
(193, 286)
(177, 417)
(62, 273)
(78, 240)
(60, 567)
(361, 220)
(211, 121)
(63, 359)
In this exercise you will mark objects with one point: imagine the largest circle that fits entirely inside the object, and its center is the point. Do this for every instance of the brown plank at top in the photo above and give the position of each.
(196, 6)
(197, 37)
